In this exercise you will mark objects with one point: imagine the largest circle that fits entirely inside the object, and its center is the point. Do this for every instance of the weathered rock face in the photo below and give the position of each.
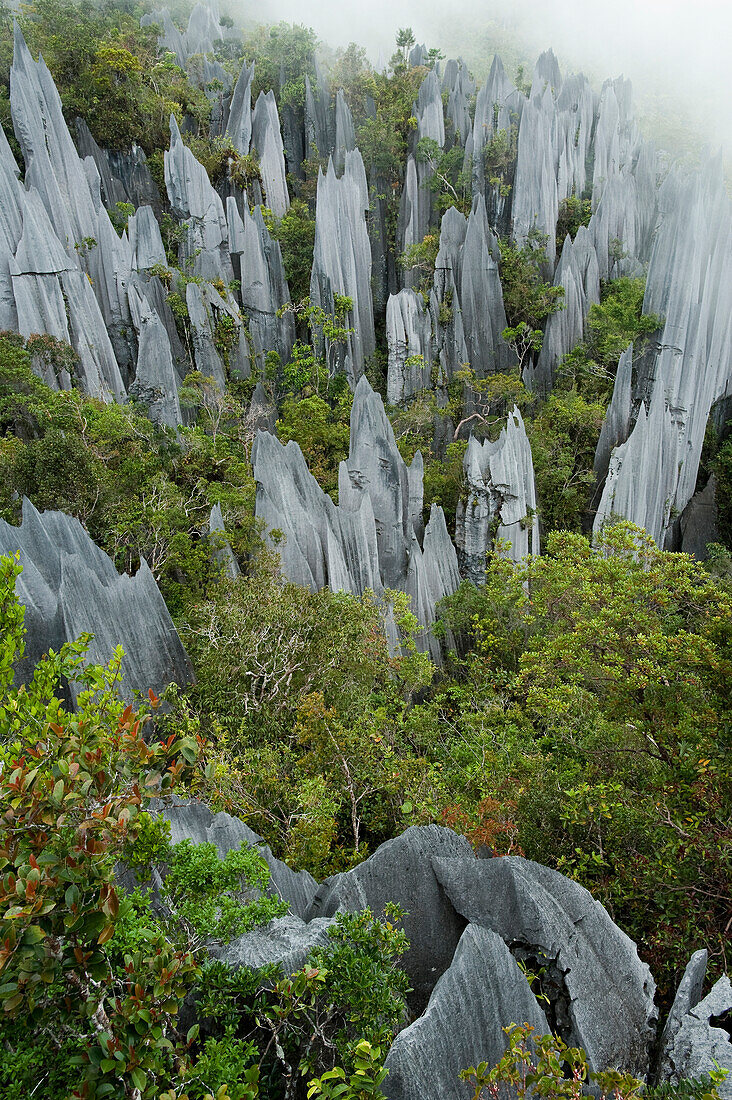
(267, 144)
(372, 538)
(693, 1043)
(690, 285)
(263, 287)
(286, 942)
(69, 586)
(409, 339)
(498, 89)
(460, 87)
(601, 994)
(401, 871)
(319, 125)
(342, 260)
(239, 125)
(578, 273)
(499, 501)
(223, 554)
(192, 820)
(482, 992)
(199, 209)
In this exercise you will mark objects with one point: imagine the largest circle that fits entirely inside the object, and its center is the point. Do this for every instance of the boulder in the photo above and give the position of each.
(601, 993)
(401, 871)
(482, 992)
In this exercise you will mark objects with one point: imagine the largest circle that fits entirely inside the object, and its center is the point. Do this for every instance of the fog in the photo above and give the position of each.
(677, 54)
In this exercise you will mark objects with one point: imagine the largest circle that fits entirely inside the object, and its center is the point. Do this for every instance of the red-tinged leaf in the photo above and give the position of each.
(106, 934)
(33, 862)
(152, 697)
(126, 715)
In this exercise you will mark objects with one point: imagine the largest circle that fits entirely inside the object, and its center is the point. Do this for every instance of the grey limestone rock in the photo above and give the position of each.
(267, 143)
(263, 286)
(286, 942)
(700, 522)
(69, 586)
(146, 244)
(223, 554)
(192, 820)
(497, 90)
(156, 381)
(199, 209)
(535, 202)
(482, 992)
(239, 125)
(603, 993)
(481, 297)
(688, 995)
(697, 1044)
(409, 340)
(401, 871)
(342, 260)
(460, 86)
(499, 486)
(578, 273)
(616, 425)
(319, 135)
(372, 538)
(345, 134)
(653, 445)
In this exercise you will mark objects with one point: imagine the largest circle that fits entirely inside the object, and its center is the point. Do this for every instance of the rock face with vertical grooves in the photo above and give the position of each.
(239, 125)
(689, 284)
(373, 537)
(693, 1043)
(401, 871)
(342, 260)
(653, 444)
(69, 586)
(603, 992)
(616, 425)
(482, 992)
(409, 340)
(267, 144)
(263, 288)
(197, 205)
(345, 134)
(499, 500)
(578, 273)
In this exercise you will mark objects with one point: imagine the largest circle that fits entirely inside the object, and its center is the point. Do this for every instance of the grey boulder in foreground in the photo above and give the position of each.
(696, 1038)
(483, 991)
(601, 993)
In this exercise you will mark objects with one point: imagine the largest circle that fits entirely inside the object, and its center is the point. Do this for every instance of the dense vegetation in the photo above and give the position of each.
(583, 717)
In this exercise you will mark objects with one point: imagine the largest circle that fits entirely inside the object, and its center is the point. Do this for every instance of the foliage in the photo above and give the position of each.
(73, 785)
(499, 159)
(283, 56)
(450, 179)
(140, 490)
(563, 436)
(573, 212)
(613, 324)
(108, 71)
(364, 1082)
(296, 234)
(543, 1065)
(595, 694)
(527, 298)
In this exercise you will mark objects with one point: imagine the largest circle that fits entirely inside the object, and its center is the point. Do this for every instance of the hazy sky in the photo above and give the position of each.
(680, 50)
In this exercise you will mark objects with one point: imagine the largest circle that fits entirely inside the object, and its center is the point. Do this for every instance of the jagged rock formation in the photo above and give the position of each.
(345, 134)
(460, 87)
(342, 260)
(198, 207)
(462, 1023)
(690, 285)
(223, 554)
(401, 871)
(268, 147)
(616, 425)
(499, 500)
(409, 340)
(123, 177)
(319, 124)
(602, 995)
(239, 125)
(257, 261)
(693, 1042)
(478, 922)
(69, 586)
(373, 537)
(579, 274)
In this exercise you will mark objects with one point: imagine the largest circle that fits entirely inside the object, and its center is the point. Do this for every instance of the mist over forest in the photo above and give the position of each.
(675, 52)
